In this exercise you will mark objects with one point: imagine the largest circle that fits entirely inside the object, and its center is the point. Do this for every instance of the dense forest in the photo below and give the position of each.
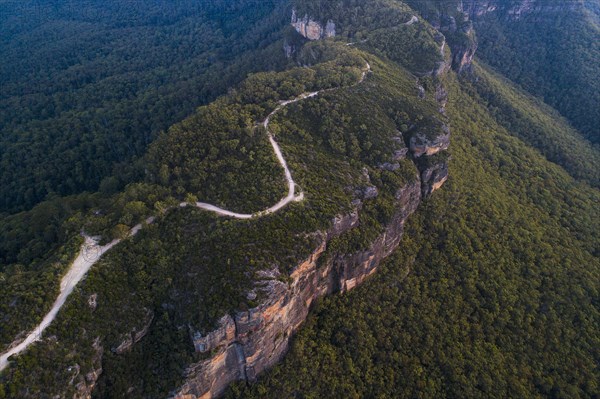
(111, 112)
(87, 86)
(548, 47)
(547, 131)
(85, 89)
(561, 68)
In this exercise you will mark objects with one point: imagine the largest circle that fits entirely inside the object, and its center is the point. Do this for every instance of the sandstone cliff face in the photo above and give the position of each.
(312, 30)
(458, 31)
(433, 177)
(420, 144)
(477, 8)
(516, 9)
(249, 342)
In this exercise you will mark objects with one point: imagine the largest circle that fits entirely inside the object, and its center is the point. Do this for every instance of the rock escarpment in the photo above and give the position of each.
(311, 29)
(308, 28)
(516, 9)
(429, 156)
(135, 335)
(84, 384)
(420, 145)
(458, 32)
(249, 342)
(455, 19)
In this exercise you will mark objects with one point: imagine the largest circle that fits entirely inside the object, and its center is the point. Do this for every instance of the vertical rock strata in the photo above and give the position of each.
(249, 342)
(311, 29)
(135, 335)
(84, 384)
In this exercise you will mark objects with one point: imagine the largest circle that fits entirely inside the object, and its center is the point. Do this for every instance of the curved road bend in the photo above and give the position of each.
(90, 251)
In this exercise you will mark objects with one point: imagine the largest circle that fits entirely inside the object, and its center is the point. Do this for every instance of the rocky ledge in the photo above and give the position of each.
(84, 384)
(420, 144)
(311, 29)
(249, 342)
(455, 19)
(135, 335)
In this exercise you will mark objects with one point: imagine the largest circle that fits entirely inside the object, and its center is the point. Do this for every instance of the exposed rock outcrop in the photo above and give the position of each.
(516, 9)
(441, 96)
(84, 385)
(433, 177)
(461, 38)
(249, 342)
(311, 29)
(454, 19)
(463, 49)
(135, 335)
(455, 31)
(428, 150)
(93, 301)
(420, 144)
(477, 8)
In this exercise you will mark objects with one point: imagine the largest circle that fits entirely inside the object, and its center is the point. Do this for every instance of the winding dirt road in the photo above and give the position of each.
(91, 252)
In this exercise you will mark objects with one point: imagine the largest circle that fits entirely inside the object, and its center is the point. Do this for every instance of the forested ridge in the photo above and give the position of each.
(493, 291)
(190, 267)
(547, 131)
(121, 110)
(547, 47)
(86, 87)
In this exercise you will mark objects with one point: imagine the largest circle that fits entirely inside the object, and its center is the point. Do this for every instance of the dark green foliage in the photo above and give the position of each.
(86, 87)
(549, 47)
(27, 292)
(246, 180)
(502, 297)
(365, 122)
(222, 154)
(27, 237)
(537, 124)
(190, 267)
(553, 55)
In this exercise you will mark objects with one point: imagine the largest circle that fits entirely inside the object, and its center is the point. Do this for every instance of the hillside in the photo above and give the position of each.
(366, 203)
(548, 47)
(492, 293)
(553, 55)
(334, 171)
(87, 87)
